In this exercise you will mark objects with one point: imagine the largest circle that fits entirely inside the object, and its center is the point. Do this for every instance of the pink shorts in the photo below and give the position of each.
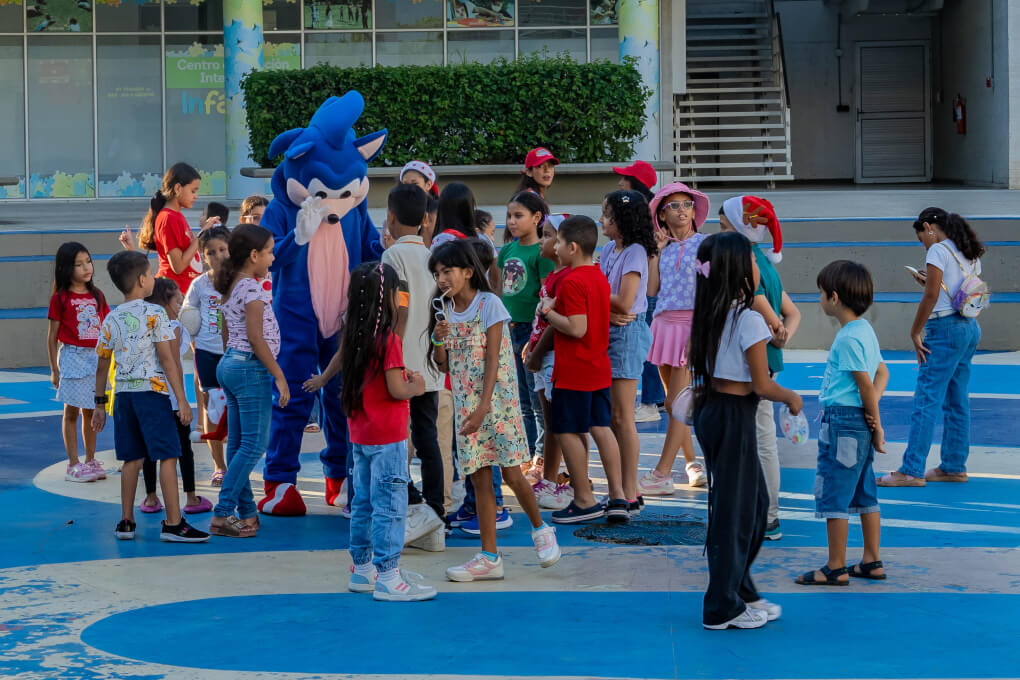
(671, 331)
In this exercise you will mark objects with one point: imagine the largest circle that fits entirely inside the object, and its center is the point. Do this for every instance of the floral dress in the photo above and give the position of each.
(500, 439)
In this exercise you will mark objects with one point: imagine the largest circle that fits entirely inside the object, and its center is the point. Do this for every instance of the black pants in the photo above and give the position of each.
(738, 502)
(425, 437)
(186, 462)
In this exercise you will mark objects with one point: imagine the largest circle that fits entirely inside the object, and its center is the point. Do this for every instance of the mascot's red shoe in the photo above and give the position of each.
(282, 500)
(336, 492)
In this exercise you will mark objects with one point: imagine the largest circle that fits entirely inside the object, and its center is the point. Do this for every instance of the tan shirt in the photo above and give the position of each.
(410, 258)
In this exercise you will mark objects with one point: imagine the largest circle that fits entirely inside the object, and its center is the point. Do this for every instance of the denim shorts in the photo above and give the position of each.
(845, 481)
(628, 349)
(144, 426)
(543, 378)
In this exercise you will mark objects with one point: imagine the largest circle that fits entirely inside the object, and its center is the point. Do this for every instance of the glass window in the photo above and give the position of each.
(196, 108)
(129, 115)
(605, 44)
(574, 43)
(602, 12)
(338, 49)
(193, 15)
(408, 13)
(12, 112)
(12, 17)
(282, 52)
(281, 15)
(59, 16)
(349, 14)
(421, 48)
(60, 108)
(479, 13)
(127, 15)
(552, 12)
(480, 46)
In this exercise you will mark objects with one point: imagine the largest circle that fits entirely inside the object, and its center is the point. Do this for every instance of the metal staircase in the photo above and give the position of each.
(733, 123)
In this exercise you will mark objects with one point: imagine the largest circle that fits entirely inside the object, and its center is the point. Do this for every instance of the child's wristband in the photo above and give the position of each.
(435, 342)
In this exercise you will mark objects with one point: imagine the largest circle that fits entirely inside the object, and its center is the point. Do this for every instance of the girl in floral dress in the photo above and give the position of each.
(470, 342)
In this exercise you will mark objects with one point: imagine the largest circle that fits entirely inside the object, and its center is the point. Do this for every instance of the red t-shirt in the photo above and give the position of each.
(80, 316)
(582, 364)
(172, 231)
(382, 419)
(550, 288)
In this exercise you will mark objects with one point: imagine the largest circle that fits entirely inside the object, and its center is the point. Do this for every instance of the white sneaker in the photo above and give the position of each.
(563, 497)
(546, 546)
(408, 588)
(773, 610)
(544, 492)
(478, 568)
(457, 493)
(696, 474)
(82, 472)
(749, 618)
(654, 485)
(646, 413)
(362, 583)
(431, 542)
(421, 520)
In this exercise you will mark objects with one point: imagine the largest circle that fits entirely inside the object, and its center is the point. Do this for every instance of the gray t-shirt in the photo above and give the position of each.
(615, 265)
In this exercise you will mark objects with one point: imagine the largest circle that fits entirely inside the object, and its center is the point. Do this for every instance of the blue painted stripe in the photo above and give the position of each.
(906, 297)
(49, 258)
(24, 313)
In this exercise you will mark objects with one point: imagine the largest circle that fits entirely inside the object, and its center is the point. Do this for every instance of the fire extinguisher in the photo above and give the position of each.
(960, 114)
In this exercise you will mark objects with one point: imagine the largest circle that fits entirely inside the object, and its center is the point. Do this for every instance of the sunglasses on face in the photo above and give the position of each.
(677, 206)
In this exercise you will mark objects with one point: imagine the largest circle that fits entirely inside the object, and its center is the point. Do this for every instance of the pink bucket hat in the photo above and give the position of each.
(701, 203)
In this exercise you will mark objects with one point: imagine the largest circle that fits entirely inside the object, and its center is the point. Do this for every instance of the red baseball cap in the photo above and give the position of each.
(539, 155)
(641, 171)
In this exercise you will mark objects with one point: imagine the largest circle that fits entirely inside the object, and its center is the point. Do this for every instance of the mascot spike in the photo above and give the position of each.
(336, 117)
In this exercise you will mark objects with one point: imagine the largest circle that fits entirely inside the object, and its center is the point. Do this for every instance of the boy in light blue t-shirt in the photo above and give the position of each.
(851, 432)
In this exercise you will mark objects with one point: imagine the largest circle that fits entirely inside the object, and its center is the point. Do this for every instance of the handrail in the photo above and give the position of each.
(782, 57)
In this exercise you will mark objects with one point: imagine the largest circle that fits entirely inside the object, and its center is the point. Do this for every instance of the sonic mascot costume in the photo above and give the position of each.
(322, 231)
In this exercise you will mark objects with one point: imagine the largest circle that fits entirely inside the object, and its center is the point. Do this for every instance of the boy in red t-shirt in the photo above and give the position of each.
(582, 374)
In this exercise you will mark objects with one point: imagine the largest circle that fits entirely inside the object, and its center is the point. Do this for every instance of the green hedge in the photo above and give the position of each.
(465, 114)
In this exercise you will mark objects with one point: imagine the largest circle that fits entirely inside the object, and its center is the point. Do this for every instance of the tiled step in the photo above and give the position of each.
(735, 179)
(733, 102)
(733, 126)
(733, 152)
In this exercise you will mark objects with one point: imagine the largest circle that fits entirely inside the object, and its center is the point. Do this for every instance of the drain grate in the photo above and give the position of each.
(649, 530)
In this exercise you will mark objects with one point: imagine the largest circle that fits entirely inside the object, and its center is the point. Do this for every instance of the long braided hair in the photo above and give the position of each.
(371, 316)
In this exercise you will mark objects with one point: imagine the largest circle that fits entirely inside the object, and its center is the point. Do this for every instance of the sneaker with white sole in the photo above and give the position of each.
(652, 484)
(182, 532)
(546, 546)
(773, 610)
(503, 521)
(421, 520)
(434, 541)
(772, 531)
(125, 530)
(561, 498)
(545, 492)
(696, 474)
(97, 467)
(82, 472)
(647, 413)
(362, 583)
(749, 618)
(409, 587)
(478, 568)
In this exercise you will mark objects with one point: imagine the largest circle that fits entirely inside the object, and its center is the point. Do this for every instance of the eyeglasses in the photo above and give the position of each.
(677, 206)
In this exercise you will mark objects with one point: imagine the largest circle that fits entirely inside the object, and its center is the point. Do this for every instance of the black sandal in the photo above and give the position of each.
(831, 577)
(862, 570)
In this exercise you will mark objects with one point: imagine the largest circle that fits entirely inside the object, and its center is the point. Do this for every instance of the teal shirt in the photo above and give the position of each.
(854, 349)
(772, 288)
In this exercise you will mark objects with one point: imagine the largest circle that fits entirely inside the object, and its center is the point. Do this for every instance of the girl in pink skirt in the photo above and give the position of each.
(677, 213)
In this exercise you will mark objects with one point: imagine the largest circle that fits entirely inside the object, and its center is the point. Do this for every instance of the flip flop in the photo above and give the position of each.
(203, 505)
(217, 479)
(151, 509)
(831, 577)
(863, 570)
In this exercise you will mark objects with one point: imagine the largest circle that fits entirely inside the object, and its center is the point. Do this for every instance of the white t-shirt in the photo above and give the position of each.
(203, 297)
(493, 311)
(185, 337)
(941, 255)
(750, 329)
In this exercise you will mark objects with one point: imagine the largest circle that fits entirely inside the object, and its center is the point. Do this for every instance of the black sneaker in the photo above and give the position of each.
(773, 532)
(125, 530)
(634, 509)
(618, 511)
(182, 533)
(572, 514)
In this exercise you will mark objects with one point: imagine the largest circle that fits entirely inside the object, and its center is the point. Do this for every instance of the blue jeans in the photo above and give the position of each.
(652, 391)
(379, 508)
(531, 405)
(942, 385)
(249, 391)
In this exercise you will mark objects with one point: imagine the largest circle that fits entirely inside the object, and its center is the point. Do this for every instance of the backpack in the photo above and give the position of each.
(972, 296)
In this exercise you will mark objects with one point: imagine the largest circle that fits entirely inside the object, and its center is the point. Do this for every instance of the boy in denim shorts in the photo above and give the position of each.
(855, 378)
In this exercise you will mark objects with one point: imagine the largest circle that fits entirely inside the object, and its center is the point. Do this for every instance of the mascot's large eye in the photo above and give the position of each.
(320, 194)
(345, 194)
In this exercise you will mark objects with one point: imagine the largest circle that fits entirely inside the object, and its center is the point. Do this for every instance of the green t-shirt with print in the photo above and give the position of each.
(523, 269)
(772, 288)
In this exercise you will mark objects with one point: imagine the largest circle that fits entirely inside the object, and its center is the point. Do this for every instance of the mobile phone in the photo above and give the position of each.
(912, 270)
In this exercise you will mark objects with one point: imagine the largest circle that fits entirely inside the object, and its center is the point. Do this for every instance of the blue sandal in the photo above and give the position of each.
(831, 577)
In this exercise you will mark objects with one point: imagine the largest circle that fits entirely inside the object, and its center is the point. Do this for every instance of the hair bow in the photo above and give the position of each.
(625, 199)
(702, 268)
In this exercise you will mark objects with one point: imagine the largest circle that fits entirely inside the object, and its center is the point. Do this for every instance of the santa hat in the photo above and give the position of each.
(752, 216)
(425, 170)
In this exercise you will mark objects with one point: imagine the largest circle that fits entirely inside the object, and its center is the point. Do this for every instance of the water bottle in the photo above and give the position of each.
(793, 427)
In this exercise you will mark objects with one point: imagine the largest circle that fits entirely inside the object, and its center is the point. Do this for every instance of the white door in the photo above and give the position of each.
(893, 112)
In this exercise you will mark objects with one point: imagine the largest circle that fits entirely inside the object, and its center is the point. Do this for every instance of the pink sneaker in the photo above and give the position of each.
(82, 472)
(97, 467)
(479, 568)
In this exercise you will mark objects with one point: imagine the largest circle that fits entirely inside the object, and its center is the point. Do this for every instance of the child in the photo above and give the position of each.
(470, 344)
(639, 176)
(214, 215)
(166, 231)
(375, 391)
(77, 310)
(138, 335)
(627, 221)
(539, 171)
(456, 215)
(523, 270)
(201, 316)
(420, 174)
(252, 209)
(677, 213)
(166, 294)
(855, 378)
(582, 374)
(486, 225)
(428, 225)
(246, 372)
(750, 216)
(730, 372)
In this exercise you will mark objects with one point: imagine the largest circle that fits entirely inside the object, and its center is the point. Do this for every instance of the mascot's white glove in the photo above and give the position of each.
(312, 214)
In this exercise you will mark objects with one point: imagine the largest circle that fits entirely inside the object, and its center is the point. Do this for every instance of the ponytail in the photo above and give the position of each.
(244, 239)
(956, 229)
(179, 173)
